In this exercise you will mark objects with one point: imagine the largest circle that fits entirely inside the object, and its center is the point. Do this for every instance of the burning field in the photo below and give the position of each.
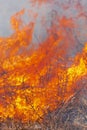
(43, 84)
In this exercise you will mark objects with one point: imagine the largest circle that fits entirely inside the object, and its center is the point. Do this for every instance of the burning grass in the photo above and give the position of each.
(70, 115)
(35, 82)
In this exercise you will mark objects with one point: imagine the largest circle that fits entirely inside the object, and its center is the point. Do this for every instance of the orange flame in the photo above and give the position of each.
(33, 81)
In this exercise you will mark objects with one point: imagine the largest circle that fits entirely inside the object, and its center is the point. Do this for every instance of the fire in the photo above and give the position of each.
(35, 80)
(40, 1)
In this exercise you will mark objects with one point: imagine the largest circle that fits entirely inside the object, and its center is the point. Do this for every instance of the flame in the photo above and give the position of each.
(33, 81)
(40, 1)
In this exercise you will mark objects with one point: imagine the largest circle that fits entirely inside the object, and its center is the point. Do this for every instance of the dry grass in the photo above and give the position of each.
(70, 116)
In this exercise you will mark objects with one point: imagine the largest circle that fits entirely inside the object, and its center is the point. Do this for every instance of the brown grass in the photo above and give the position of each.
(72, 115)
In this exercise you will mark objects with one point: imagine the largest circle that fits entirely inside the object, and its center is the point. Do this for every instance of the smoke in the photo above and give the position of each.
(9, 8)
(65, 8)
